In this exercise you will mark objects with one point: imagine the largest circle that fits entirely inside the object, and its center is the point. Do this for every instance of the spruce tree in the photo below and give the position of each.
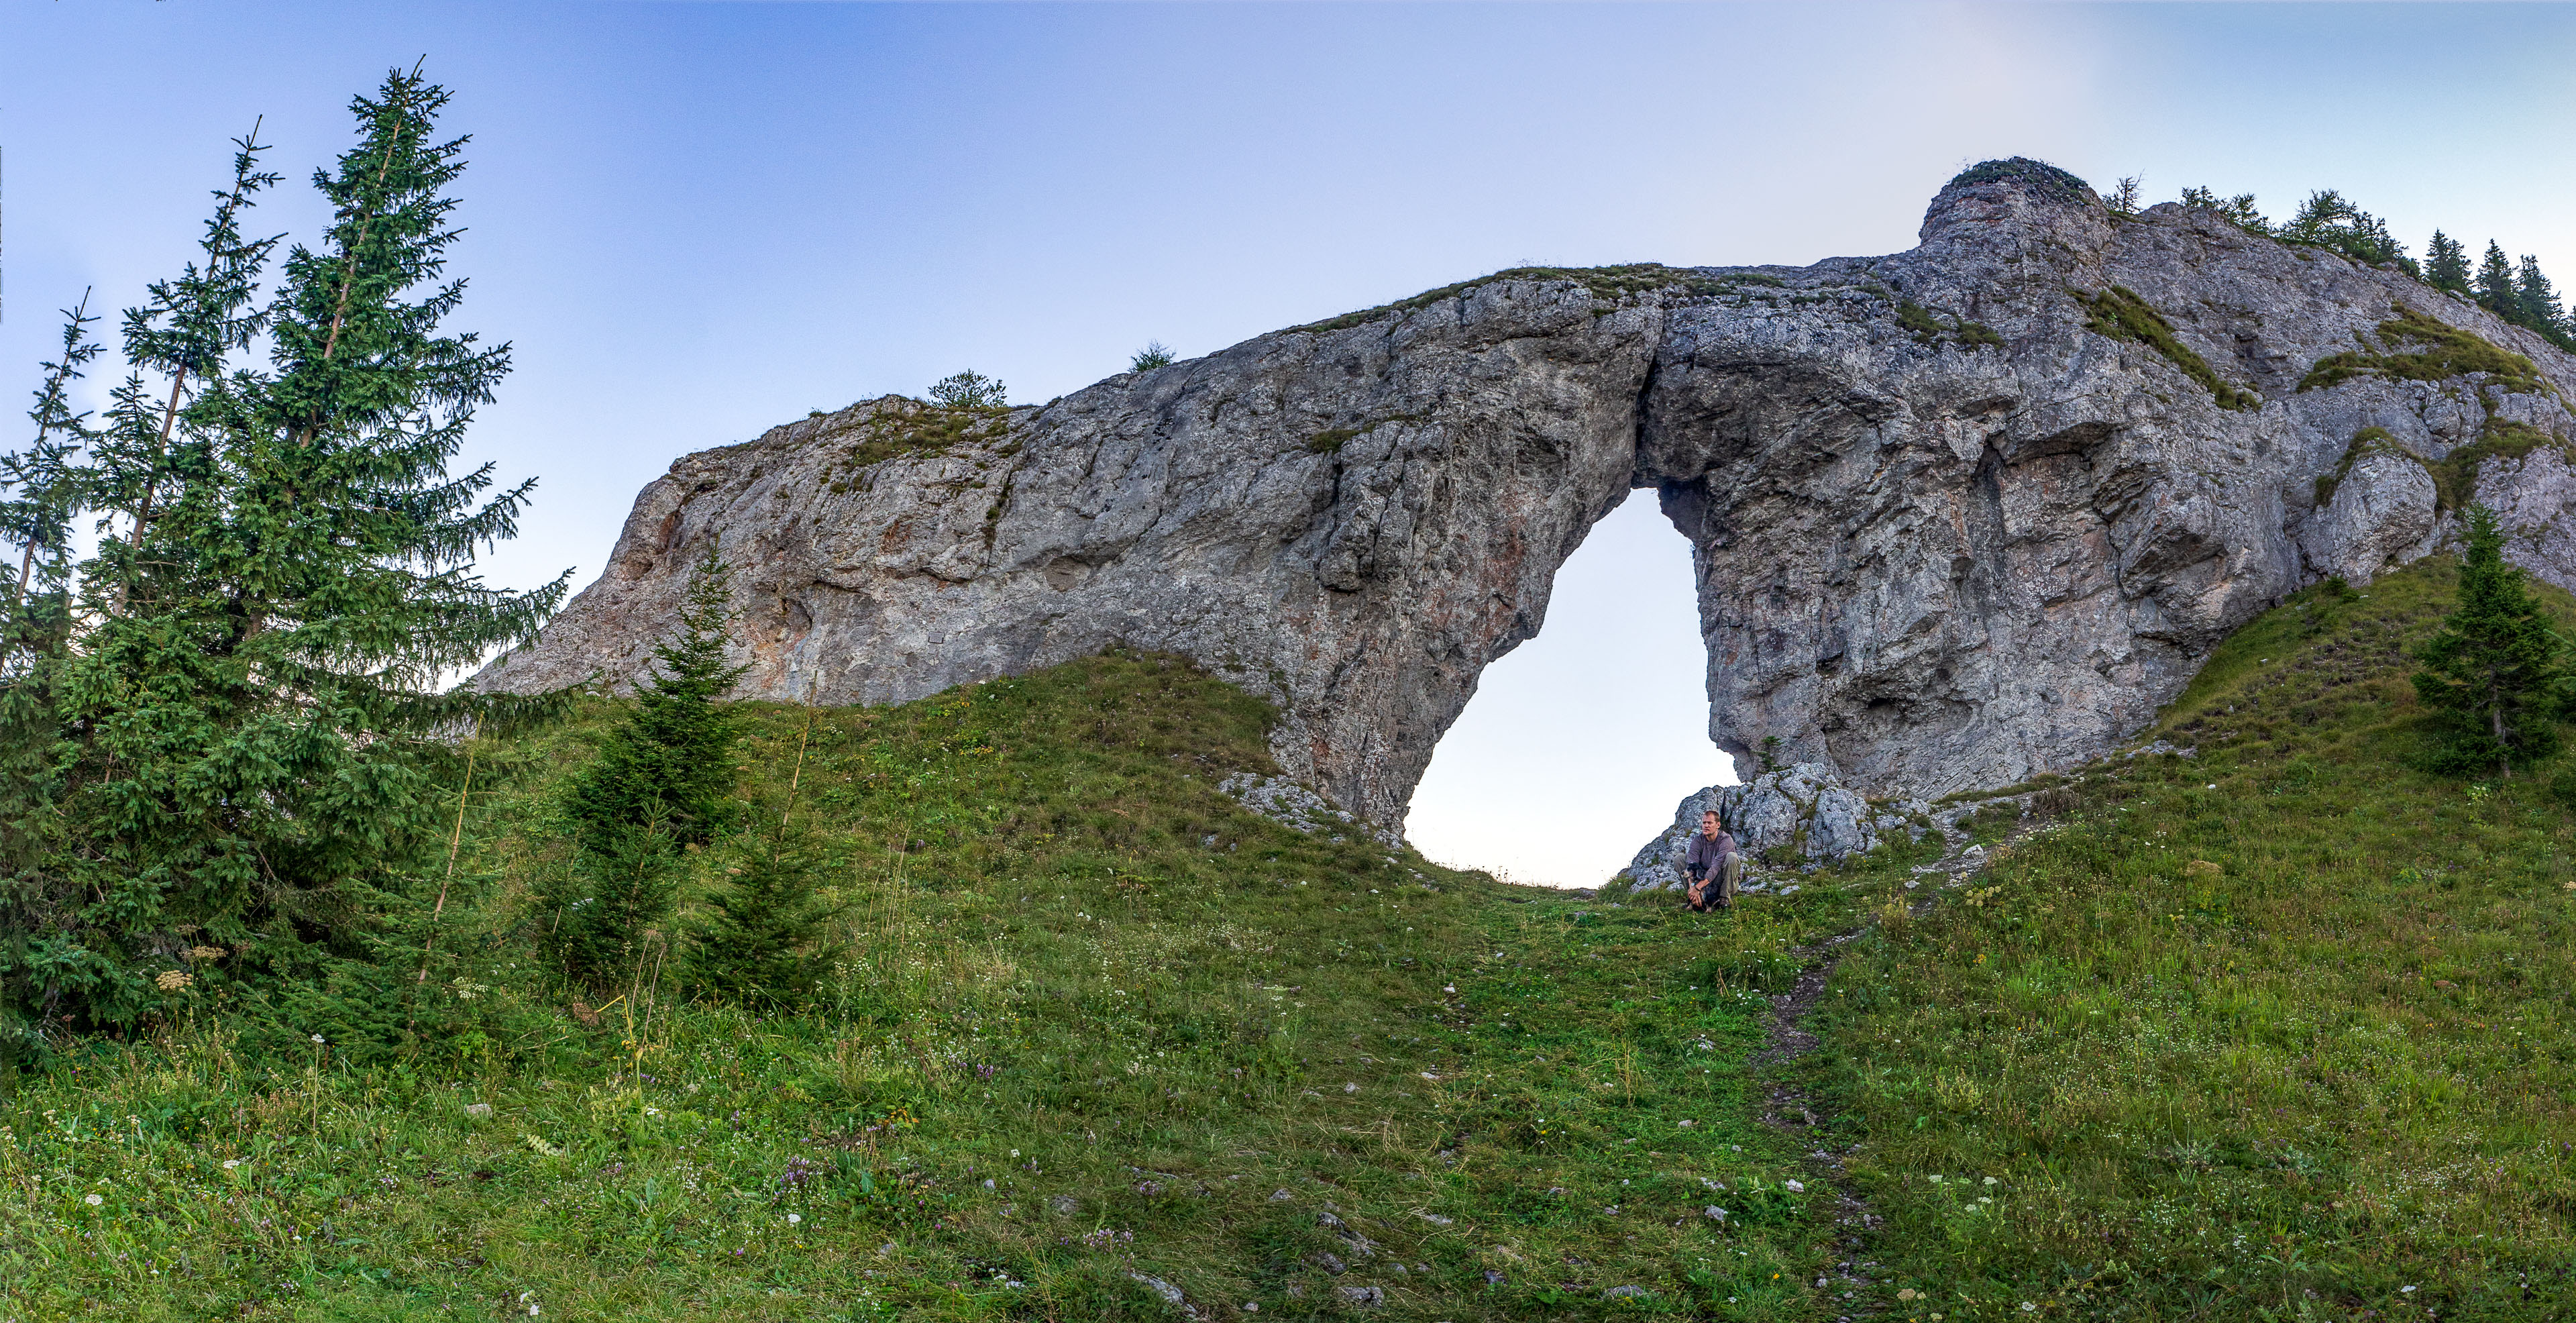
(762, 938)
(2496, 292)
(41, 490)
(2495, 677)
(2446, 264)
(662, 781)
(186, 332)
(603, 917)
(670, 761)
(250, 727)
(2538, 300)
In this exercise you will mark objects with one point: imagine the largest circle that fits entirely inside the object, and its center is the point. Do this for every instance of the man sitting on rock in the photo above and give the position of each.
(1712, 865)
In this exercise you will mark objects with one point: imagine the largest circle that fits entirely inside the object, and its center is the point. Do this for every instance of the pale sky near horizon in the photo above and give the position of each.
(695, 221)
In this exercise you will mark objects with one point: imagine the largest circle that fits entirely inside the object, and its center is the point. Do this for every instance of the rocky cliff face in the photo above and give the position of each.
(1959, 515)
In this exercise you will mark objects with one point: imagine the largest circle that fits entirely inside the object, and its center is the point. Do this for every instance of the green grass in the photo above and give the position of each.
(1928, 330)
(2276, 1032)
(2280, 1032)
(875, 431)
(1608, 282)
(1333, 439)
(2447, 352)
(2120, 314)
(2455, 477)
(1914, 318)
(1077, 972)
(2047, 180)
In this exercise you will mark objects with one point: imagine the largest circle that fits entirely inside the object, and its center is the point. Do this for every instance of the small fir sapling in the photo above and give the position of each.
(762, 938)
(2496, 676)
(671, 760)
(602, 916)
(663, 779)
(1152, 356)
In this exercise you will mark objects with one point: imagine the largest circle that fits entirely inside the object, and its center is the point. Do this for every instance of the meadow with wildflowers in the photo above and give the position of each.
(2274, 1028)
(2278, 1029)
(1103, 1045)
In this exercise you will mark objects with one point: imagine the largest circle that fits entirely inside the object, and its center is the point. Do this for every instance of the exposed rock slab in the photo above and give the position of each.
(1951, 528)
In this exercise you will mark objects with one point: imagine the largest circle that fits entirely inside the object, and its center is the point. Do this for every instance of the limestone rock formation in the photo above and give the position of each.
(1294, 806)
(2382, 514)
(1960, 515)
(1803, 810)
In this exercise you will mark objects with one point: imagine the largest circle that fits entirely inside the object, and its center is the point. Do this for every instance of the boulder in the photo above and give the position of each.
(1803, 809)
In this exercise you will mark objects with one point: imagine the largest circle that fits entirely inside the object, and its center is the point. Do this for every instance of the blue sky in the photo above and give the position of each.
(697, 220)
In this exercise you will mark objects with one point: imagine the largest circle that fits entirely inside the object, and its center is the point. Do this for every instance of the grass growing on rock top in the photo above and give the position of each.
(2278, 1032)
(1098, 1025)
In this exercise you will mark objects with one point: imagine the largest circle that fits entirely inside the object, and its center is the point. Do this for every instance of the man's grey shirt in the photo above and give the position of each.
(1707, 852)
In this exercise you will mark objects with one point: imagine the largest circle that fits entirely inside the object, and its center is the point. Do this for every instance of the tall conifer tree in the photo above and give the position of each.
(2496, 675)
(41, 491)
(2446, 264)
(2538, 300)
(250, 725)
(2496, 292)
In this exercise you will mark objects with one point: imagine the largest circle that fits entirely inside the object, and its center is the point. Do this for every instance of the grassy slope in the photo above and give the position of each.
(1168, 1033)
(2282, 1031)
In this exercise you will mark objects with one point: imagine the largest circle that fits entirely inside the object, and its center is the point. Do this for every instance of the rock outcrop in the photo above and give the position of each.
(1798, 814)
(1960, 515)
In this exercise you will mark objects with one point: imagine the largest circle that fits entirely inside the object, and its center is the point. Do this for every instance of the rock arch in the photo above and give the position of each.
(1958, 515)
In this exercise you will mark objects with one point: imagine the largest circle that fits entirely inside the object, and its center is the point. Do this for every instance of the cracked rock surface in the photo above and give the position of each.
(1804, 808)
(1951, 526)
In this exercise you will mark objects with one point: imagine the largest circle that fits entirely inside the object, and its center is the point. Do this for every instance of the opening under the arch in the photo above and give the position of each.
(1579, 742)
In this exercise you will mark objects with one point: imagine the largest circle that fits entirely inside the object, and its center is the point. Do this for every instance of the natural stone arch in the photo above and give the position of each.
(1953, 521)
